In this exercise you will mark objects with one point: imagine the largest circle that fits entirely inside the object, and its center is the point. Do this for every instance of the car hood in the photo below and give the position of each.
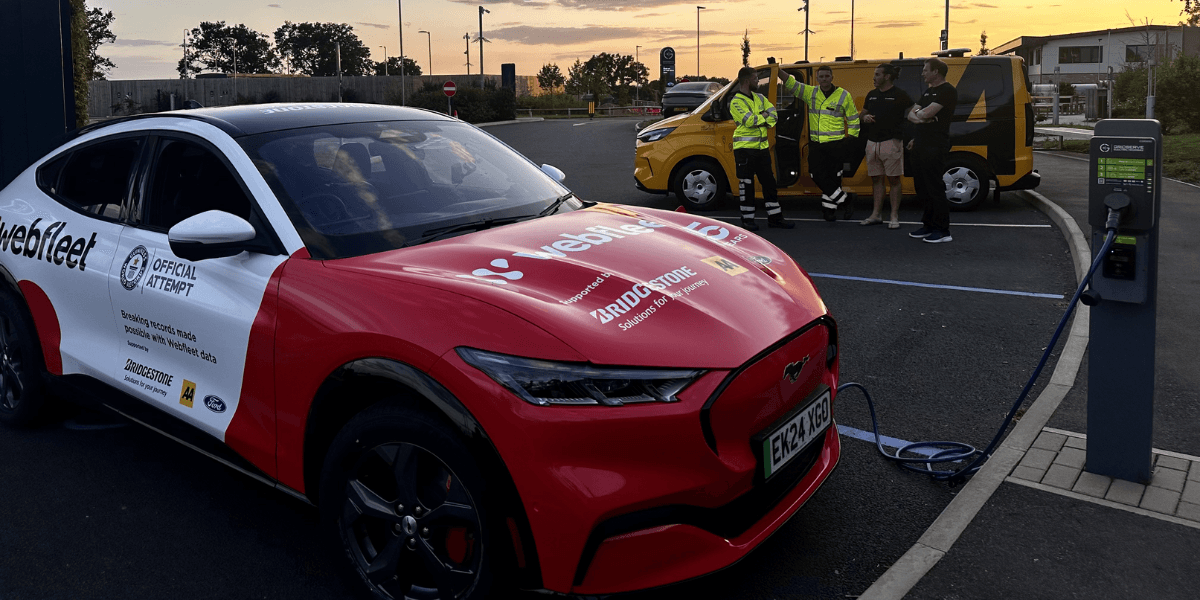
(622, 286)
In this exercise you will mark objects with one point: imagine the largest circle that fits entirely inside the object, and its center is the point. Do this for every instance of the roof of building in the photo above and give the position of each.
(1041, 40)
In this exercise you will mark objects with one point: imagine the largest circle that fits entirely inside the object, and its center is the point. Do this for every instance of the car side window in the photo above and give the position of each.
(189, 179)
(93, 179)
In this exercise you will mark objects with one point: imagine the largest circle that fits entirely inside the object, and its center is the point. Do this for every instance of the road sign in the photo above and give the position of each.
(449, 88)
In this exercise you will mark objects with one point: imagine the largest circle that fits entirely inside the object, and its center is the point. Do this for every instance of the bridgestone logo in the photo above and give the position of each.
(149, 373)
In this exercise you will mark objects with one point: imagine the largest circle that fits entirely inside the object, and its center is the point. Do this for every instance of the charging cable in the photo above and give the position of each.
(951, 452)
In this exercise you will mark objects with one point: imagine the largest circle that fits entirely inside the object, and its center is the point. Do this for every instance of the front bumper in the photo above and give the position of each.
(1030, 181)
(638, 496)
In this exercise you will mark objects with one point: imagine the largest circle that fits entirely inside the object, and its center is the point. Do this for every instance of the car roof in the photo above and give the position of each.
(253, 119)
(692, 86)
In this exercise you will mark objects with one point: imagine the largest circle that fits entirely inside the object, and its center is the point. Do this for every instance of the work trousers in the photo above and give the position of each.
(751, 163)
(929, 165)
(825, 162)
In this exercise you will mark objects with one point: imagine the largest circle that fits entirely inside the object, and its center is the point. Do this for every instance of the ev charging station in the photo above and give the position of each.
(1124, 190)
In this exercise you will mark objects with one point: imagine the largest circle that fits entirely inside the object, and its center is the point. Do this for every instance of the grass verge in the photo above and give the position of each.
(1181, 155)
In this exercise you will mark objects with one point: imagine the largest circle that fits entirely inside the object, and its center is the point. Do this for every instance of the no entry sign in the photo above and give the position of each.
(449, 88)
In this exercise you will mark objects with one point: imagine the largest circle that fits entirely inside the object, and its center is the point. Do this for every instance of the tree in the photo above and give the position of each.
(550, 78)
(411, 67)
(983, 49)
(224, 49)
(746, 48)
(98, 33)
(585, 78)
(79, 52)
(311, 49)
(1191, 9)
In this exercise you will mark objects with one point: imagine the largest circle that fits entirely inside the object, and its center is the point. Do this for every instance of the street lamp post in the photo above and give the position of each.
(467, 52)
(481, 75)
(429, 39)
(385, 73)
(637, 78)
(403, 84)
(698, 9)
(806, 29)
(946, 31)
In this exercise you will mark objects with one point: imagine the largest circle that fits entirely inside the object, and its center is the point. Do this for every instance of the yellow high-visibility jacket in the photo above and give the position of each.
(830, 118)
(753, 115)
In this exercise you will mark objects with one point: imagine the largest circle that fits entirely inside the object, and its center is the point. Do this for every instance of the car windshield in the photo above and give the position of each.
(360, 188)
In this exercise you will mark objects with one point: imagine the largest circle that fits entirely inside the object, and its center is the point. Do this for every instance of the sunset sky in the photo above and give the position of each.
(532, 33)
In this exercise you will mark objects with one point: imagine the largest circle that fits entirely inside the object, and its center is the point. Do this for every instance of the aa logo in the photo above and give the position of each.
(188, 395)
(727, 266)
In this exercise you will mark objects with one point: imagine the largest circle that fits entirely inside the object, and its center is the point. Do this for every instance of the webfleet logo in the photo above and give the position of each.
(34, 242)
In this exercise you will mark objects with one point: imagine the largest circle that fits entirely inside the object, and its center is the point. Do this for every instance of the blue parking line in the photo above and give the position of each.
(939, 287)
(890, 442)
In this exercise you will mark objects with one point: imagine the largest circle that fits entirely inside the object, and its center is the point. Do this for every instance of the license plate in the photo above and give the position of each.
(787, 441)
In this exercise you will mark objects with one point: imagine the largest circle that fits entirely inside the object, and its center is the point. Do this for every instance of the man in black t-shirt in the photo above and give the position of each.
(883, 122)
(931, 143)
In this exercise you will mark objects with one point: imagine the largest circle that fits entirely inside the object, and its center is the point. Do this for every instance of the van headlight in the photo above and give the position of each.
(548, 383)
(654, 134)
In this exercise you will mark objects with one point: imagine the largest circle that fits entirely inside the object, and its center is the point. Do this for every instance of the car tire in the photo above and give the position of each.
(397, 529)
(23, 397)
(968, 182)
(700, 184)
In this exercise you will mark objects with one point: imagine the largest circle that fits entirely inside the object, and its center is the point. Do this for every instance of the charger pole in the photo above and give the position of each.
(1126, 167)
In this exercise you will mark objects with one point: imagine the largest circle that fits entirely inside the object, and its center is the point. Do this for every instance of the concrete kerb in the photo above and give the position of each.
(906, 572)
(512, 121)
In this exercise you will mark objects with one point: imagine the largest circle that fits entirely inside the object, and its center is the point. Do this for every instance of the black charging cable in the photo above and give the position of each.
(958, 452)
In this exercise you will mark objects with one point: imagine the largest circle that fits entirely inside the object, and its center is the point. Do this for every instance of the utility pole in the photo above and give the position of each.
(467, 37)
(946, 31)
(429, 39)
(385, 73)
(698, 9)
(637, 84)
(806, 30)
(403, 83)
(481, 40)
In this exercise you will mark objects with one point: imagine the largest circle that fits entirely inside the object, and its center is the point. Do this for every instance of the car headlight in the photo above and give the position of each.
(654, 134)
(547, 383)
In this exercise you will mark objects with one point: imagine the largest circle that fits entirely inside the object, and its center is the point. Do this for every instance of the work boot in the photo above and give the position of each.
(779, 223)
(749, 225)
(829, 214)
(848, 206)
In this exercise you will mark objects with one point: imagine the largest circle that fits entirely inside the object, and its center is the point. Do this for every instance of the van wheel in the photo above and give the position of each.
(700, 184)
(22, 394)
(407, 510)
(967, 182)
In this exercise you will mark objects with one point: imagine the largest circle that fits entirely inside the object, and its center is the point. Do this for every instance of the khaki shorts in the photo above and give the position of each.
(885, 158)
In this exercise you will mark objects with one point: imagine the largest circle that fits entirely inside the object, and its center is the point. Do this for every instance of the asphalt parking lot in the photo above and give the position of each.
(944, 336)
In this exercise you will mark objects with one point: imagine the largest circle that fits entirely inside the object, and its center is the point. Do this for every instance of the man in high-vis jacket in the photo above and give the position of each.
(832, 120)
(754, 115)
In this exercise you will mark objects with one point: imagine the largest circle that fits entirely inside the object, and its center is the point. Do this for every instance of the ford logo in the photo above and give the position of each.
(214, 404)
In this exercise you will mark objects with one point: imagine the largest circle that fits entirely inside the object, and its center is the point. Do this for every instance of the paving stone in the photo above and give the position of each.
(1061, 476)
(1036, 458)
(1170, 479)
(1028, 473)
(1049, 441)
(1171, 462)
(1187, 510)
(1075, 442)
(1125, 492)
(1091, 484)
(1194, 473)
(1191, 493)
(1071, 457)
(1160, 500)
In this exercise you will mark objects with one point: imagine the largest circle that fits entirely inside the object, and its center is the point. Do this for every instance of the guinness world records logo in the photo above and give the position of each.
(134, 267)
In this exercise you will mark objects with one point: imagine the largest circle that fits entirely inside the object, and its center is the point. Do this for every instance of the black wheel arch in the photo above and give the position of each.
(359, 384)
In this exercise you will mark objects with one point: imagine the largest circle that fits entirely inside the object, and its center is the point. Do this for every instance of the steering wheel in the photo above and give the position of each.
(323, 209)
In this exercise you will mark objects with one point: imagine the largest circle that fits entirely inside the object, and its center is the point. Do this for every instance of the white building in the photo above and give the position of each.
(1097, 56)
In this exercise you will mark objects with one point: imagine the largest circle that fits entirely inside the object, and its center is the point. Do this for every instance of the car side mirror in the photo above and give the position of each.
(210, 234)
(554, 172)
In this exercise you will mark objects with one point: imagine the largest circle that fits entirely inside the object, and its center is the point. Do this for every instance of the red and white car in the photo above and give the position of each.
(480, 380)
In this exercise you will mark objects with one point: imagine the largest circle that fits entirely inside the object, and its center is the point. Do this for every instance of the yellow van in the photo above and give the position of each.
(991, 135)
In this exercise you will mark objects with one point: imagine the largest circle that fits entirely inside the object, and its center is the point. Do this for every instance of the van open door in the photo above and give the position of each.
(791, 132)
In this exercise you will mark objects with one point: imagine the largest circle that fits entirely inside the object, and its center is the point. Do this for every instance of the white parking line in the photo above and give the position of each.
(939, 287)
(1016, 225)
(578, 124)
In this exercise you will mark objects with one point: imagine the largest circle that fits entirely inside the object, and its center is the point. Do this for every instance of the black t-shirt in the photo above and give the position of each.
(888, 109)
(937, 132)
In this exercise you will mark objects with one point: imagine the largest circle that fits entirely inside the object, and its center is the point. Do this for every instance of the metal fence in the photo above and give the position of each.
(611, 111)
